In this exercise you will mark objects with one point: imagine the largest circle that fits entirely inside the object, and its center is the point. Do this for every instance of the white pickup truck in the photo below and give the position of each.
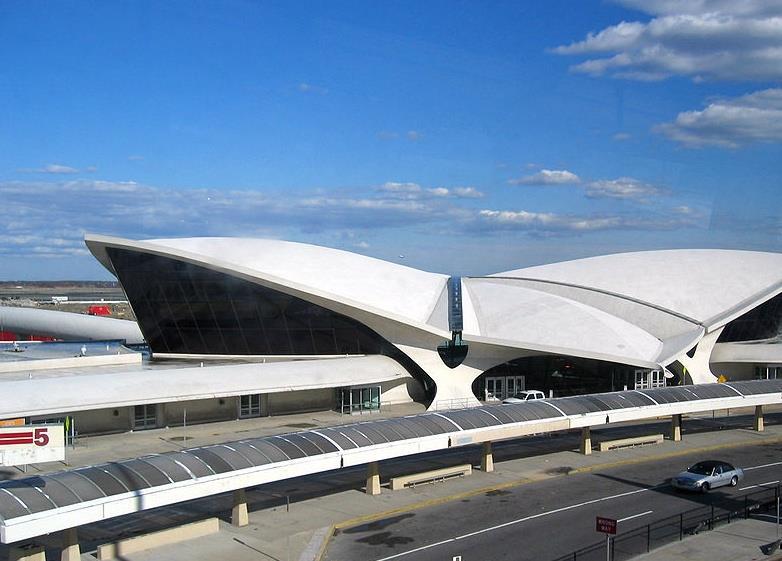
(526, 395)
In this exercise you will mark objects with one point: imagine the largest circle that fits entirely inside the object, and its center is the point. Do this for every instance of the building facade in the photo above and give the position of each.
(599, 324)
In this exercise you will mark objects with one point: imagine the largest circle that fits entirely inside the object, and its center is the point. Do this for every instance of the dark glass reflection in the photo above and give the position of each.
(184, 308)
(763, 322)
(563, 375)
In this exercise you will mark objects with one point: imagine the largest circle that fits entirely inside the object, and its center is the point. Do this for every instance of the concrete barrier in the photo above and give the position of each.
(629, 442)
(157, 539)
(432, 476)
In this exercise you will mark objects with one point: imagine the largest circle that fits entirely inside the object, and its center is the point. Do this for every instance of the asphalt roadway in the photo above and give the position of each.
(550, 518)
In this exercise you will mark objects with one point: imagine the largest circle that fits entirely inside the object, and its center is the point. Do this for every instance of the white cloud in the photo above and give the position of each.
(701, 39)
(414, 135)
(396, 187)
(547, 222)
(625, 188)
(439, 192)
(53, 169)
(548, 177)
(135, 158)
(622, 136)
(730, 123)
(134, 210)
(759, 8)
(415, 191)
(467, 192)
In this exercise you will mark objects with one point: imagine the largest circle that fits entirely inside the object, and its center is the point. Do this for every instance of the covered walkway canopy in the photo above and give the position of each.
(42, 504)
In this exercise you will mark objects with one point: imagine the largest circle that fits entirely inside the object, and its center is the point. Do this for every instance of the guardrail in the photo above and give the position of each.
(447, 404)
(626, 545)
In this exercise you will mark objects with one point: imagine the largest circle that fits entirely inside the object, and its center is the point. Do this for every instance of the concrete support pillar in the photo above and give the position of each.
(759, 418)
(239, 514)
(487, 458)
(676, 428)
(373, 479)
(586, 441)
(27, 553)
(70, 545)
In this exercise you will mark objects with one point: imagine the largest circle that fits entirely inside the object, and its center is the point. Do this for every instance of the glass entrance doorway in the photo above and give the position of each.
(498, 388)
(355, 401)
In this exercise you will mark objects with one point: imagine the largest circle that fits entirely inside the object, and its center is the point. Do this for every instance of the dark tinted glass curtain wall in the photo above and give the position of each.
(184, 308)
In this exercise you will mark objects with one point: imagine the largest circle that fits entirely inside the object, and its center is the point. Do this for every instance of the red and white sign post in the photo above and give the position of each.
(608, 527)
(31, 444)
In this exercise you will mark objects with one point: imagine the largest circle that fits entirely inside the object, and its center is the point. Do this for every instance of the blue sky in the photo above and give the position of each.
(460, 137)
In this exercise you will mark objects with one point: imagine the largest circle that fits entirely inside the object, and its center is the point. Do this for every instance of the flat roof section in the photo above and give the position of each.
(85, 389)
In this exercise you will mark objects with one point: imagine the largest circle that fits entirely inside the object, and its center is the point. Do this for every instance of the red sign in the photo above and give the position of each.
(606, 525)
(39, 437)
(26, 444)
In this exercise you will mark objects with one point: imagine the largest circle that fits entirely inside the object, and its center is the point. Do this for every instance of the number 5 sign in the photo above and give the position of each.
(27, 444)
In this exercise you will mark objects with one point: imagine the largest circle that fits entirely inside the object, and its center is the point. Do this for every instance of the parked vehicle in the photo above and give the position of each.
(707, 475)
(526, 395)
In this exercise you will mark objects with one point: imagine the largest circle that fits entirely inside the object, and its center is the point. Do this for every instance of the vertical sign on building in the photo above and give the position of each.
(32, 444)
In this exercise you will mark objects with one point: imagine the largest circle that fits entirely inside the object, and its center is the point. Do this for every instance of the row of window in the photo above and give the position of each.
(184, 308)
(768, 372)
(146, 416)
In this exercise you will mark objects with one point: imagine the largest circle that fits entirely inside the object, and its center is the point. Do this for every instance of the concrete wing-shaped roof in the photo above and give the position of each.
(706, 286)
(510, 313)
(375, 285)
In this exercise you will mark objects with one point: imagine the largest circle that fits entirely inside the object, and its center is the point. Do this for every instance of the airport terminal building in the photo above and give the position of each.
(633, 320)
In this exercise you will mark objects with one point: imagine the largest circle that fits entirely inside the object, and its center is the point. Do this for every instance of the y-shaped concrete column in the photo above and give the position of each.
(676, 428)
(239, 515)
(586, 441)
(759, 418)
(373, 479)
(487, 458)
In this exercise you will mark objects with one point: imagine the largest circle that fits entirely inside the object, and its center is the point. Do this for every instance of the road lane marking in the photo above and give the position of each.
(542, 514)
(520, 520)
(635, 516)
(763, 466)
(759, 485)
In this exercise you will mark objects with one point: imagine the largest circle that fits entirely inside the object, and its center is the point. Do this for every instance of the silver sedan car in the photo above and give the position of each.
(707, 475)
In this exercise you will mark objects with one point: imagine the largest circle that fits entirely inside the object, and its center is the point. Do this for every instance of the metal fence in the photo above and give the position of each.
(626, 545)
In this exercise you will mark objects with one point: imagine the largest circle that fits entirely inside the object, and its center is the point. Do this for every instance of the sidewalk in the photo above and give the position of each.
(737, 541)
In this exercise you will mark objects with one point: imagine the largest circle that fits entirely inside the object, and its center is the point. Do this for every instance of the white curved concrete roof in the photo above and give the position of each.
(706, 286)
(511, 313)
(643, 308)
(391, 289)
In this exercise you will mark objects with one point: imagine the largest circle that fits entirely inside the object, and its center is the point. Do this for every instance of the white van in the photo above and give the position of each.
(526, 395)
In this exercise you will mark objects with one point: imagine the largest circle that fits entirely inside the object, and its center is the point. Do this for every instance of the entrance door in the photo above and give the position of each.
(495, 388)
(514, 384)
(500, 387)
